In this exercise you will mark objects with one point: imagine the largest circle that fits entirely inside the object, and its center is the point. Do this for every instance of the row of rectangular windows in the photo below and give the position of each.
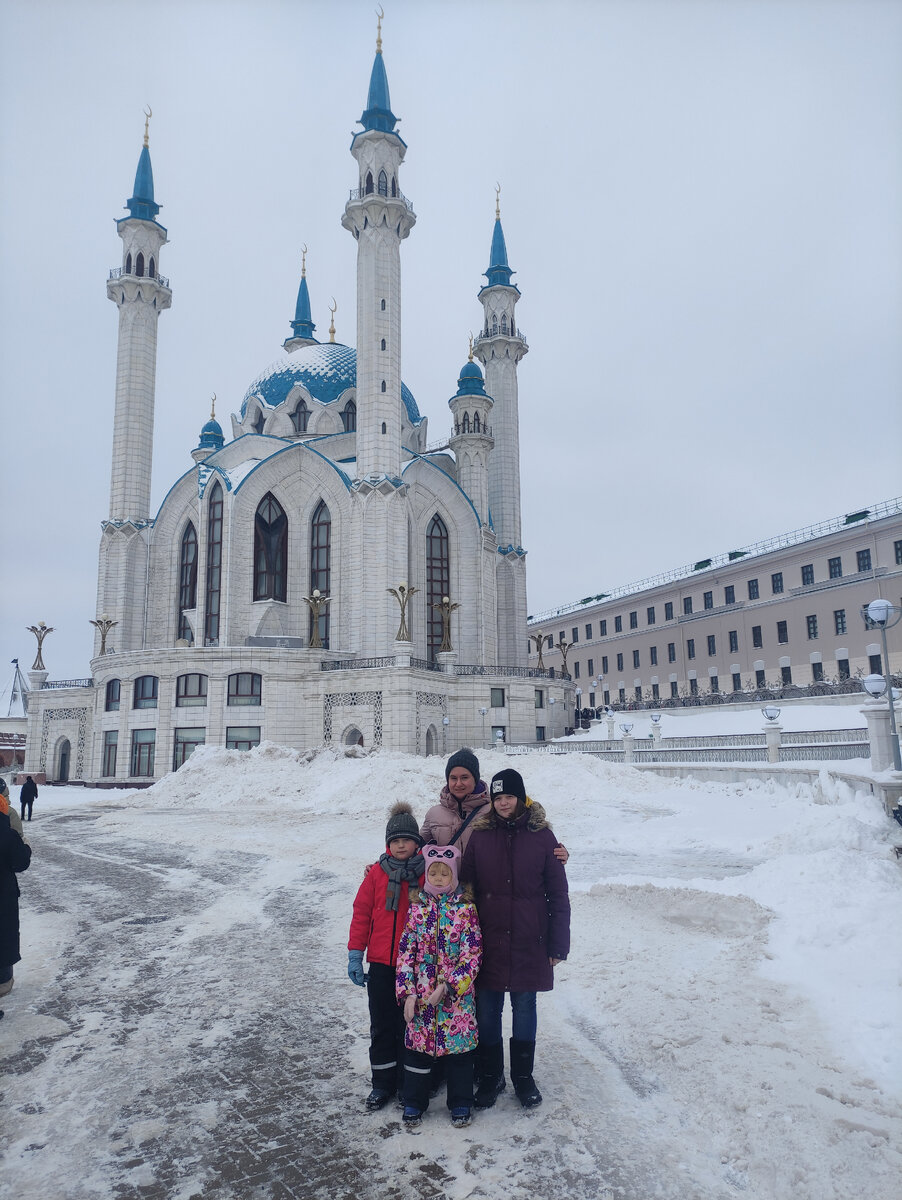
(834, 570)
(144, 746)
(817, 675)
(245, 687)
(839, 626)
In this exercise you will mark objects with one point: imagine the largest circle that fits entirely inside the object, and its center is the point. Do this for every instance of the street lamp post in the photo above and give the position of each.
(579, 717)
(482, 713)
(882, 615)
(552, 701)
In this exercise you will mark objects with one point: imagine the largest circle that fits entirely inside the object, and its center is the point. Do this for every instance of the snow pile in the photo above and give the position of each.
(727, 1022)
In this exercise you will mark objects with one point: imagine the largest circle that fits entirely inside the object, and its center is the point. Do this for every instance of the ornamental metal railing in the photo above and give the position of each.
(363, 194)
(118, 272)
(487, 335)
(356, 664)
(53, 684)
(875, 512)
(515, 672)
(423, 664)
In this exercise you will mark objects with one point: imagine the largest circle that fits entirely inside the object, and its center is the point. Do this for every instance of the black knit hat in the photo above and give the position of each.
(508, 783)
(402, 823)
(463, 758)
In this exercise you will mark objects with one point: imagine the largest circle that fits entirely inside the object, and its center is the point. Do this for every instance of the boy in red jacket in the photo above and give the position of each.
(380, 914)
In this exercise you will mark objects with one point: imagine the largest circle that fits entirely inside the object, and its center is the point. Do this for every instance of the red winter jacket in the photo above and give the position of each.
(374, 928)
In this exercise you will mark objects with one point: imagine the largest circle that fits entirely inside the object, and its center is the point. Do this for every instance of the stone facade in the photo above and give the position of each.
(782, 612)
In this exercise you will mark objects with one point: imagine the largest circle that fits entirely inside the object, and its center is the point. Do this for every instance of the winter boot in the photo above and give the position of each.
(522, 1058)
(491, 1074)
(378, 1098)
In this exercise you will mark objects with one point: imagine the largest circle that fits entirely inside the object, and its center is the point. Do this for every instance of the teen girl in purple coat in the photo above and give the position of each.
(524, 912)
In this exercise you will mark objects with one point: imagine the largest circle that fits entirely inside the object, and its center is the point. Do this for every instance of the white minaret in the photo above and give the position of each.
(379, 218)
(471, 436)
(141, 295)
(500, 348)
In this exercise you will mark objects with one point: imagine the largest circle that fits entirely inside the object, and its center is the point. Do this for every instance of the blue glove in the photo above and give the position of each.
(355, 967)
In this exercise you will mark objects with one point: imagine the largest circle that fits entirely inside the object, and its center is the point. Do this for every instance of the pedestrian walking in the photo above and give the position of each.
(15, 855)
(27, 796)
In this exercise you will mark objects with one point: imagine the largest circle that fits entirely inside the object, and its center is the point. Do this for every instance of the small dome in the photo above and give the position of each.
(470, 381)
(211, 435)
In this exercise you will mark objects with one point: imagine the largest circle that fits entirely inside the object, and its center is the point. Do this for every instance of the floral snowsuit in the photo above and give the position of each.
(441, 943)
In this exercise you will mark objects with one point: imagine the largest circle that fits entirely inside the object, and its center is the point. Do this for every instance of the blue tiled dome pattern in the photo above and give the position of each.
(325, 371)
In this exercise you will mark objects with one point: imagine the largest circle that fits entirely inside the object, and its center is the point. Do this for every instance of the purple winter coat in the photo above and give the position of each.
(522, 900)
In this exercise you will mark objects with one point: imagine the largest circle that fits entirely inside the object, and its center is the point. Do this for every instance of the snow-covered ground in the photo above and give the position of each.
(727, 1024)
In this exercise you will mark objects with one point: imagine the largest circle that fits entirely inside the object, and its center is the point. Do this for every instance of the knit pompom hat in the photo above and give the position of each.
(450, 856)
(402, 823)
(463, 758)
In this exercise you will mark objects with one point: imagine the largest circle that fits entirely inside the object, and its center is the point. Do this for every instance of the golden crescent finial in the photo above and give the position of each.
(470, 358)
(148, 113)
(213, 407)
(380, 13)
(333, 309)
(497, 201)
(303, 260)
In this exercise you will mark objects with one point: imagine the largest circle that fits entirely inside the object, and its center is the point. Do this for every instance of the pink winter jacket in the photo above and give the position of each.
(444, 819)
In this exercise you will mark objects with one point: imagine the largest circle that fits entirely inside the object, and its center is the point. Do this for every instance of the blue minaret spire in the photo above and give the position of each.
(302, 325)
(378, 113)
(142, 204)
(499, 272)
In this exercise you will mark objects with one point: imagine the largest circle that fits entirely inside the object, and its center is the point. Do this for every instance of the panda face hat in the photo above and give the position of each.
(449, 856)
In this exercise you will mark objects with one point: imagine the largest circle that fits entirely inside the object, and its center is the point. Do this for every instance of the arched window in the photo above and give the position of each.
(383, 385)
(245, 688)
(384, 427)
(270, 550)
(504, 322)
(383, 343)
(394, 186)
(128, 263)
(300, 417)
(321, 564)
(349, 417)
(187, 581)
(383, 306)
(466, 428)
(139, 264)
(476, 424)
(145, 692)
(494, 323)
(113, 689)
(191, 691)
(259, 422)
(438, 580)
(368, 186)
(383, 184)
(152, 269)
(214, 567)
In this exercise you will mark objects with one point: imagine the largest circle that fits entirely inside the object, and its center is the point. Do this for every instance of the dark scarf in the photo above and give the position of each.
(399, 872)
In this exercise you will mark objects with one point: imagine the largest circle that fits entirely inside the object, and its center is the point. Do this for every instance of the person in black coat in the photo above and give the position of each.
(15, 855)
(28, 795)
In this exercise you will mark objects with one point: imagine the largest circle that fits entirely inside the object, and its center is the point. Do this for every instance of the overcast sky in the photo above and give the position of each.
(702, 202)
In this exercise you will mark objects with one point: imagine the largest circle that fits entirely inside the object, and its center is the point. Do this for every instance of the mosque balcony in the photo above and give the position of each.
(458, 430)
(485, 336)
(121, 273)
(362, 194)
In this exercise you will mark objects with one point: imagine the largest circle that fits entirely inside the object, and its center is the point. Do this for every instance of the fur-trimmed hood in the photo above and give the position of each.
(533, 819)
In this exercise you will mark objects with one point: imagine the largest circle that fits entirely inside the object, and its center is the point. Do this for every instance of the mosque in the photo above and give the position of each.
(324, 576)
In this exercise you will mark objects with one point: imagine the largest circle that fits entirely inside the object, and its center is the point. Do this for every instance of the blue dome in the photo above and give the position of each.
(325, 371)
(211, 435)
(470, 382)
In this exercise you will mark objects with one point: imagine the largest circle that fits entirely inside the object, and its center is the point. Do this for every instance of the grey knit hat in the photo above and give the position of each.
(463, 758)
(402, 823)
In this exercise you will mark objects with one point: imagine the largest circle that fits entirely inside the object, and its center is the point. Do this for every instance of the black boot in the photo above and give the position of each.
(491, 1074)
(522, 1058)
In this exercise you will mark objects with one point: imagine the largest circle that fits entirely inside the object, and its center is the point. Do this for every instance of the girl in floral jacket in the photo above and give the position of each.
(438, 960)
